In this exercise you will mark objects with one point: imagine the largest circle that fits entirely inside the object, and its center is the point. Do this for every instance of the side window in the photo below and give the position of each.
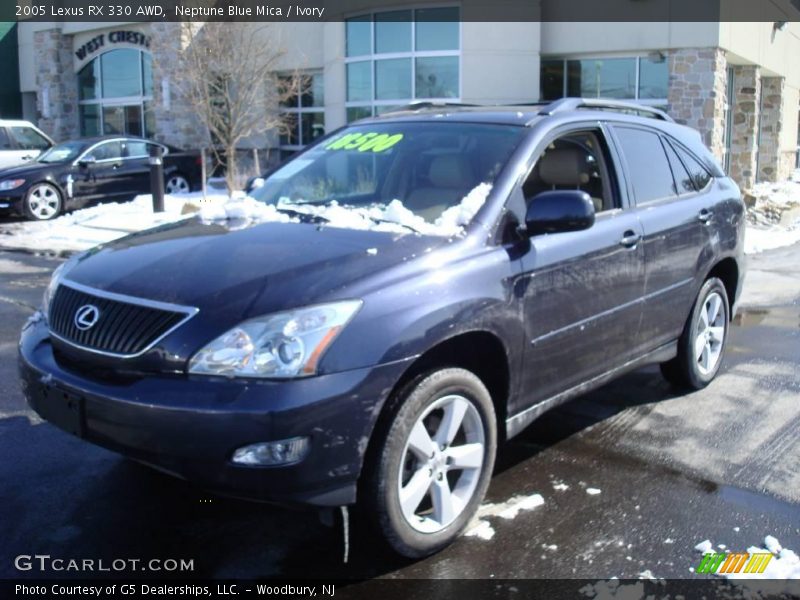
(28, 139)
(682, 177)
(137, 149)
(5, 143)
(107, 151)
(648, 166)
(700, 175)
(575, 161)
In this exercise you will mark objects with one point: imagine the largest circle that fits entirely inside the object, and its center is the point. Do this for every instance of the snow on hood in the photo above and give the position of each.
(393, 217)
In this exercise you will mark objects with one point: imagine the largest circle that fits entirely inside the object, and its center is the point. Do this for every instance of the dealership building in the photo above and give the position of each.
(737, 83)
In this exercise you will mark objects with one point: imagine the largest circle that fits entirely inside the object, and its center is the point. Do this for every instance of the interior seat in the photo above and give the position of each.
(450, 178)
(567, 168)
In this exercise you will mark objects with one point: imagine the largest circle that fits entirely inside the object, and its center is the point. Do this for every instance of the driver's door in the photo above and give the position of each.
(582, 291)
(99, 174)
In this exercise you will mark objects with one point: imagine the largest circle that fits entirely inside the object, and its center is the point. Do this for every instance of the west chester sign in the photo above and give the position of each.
(129, 38)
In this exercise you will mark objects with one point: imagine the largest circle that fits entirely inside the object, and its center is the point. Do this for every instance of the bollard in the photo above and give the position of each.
(157, 177)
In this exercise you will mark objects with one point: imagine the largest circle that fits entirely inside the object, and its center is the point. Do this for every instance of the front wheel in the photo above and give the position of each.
(42, 202)
(435, 462)
(702, 343)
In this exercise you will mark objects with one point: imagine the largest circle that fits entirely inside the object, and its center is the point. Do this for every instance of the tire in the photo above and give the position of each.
(177, 184)
(429, 522)
(42, 202)
(701, 346)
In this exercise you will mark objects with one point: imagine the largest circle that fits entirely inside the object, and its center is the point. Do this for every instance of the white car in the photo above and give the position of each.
(21, 142)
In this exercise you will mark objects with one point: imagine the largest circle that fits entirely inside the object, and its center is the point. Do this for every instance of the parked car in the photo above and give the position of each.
(110, 168)
(21, 142)
(332, 359)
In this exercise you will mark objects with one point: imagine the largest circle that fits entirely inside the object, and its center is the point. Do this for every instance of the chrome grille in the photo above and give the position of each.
(125, 326)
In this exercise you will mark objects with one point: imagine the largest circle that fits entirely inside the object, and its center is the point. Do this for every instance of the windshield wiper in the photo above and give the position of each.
(406, 225)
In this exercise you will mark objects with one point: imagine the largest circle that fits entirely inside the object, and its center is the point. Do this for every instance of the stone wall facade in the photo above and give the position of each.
(174, 121)
(57, 99)
(744, 131)
(772, 112)
(697, 80)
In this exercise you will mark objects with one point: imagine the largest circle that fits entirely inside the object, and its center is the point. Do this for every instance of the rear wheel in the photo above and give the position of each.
(177, 184)
(42, 202)
(702, 343)
(435, 463)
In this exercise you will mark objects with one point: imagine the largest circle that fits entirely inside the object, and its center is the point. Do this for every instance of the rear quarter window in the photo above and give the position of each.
(699, 174)
(5, 143)
(648, 167)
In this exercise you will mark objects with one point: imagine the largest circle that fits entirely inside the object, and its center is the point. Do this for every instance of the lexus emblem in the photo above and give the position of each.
(86, 317)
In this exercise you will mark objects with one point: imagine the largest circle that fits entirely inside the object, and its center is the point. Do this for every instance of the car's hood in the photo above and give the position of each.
(235, 274)
(26, 169)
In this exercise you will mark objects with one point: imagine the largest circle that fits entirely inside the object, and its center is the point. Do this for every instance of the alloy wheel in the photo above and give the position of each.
(710, 336)
(43, 201)
(177, 184)
(442, 463)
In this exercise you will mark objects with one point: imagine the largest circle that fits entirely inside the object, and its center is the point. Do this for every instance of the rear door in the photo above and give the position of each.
(137, 165)
(675, 216)
(582, 290)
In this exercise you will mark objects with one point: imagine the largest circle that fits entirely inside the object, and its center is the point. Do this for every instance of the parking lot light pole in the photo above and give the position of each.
(157, 177)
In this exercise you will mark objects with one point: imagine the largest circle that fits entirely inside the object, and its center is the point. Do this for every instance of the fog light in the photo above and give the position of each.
(282, 452)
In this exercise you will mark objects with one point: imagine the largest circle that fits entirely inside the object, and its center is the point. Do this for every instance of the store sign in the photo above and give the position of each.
(109, 40)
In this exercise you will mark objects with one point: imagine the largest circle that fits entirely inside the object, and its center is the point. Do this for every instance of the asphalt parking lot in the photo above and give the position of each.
(663, 473)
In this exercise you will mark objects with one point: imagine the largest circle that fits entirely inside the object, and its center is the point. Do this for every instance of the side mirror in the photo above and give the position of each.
(559, 211)
(87, 161)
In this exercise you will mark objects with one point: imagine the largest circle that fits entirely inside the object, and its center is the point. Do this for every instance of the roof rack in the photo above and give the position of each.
(424, 104)
(631, 108)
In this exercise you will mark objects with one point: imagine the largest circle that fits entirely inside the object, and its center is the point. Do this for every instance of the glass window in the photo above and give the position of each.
(120, 71)
(551, 79)
(312, 126)
(290, 136)
(89, 81)
(5, 142)
(359, 81)
(437, 29)
(700, 175)
(437, 77)
(314, 92)
(602, 78)
(113, 120)
(149, 120)
(107, 151)
(682, 177)
(357, 33)
(393, 32)
(90, 119)
(354, 113)
(137, 149)
(28, 139)
(648, 166)
(653, 78)
(393, 79)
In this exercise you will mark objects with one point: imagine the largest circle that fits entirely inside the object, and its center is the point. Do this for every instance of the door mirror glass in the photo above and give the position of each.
(559, 211)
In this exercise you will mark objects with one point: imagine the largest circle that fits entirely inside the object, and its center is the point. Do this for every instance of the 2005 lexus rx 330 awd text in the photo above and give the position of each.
(395, 301)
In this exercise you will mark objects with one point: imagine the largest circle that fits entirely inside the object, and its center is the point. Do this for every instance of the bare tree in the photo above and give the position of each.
(229, 76)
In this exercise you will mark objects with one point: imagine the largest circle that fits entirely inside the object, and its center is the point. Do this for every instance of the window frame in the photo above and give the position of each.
(297, 110)
(142, 100)
(374, 105)
(16, 144)
(655, 102)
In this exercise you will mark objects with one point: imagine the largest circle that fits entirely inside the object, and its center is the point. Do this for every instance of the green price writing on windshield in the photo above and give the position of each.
(365, 142)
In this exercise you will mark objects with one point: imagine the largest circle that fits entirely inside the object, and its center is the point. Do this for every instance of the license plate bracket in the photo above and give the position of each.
(63, 409)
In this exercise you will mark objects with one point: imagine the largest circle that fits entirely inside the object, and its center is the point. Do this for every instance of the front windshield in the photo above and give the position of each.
(419, 169)
(62, 152)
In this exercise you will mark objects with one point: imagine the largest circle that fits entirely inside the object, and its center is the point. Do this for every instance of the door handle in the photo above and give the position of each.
(705, 215)
(28, 157)
(630, 239)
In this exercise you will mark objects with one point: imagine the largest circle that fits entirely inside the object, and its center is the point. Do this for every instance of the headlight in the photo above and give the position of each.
(50, 290)
(10, 184)
(282, 345)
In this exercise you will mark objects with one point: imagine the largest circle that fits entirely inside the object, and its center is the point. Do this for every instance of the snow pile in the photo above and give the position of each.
(773, 217)
(481, 528)
(393, 217)
(88, 227)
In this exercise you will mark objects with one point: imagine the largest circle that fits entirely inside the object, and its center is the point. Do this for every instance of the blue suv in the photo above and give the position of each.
(395, 301)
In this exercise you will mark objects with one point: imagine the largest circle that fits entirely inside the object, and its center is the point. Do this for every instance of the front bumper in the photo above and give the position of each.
(189, 426)
(10, 203)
